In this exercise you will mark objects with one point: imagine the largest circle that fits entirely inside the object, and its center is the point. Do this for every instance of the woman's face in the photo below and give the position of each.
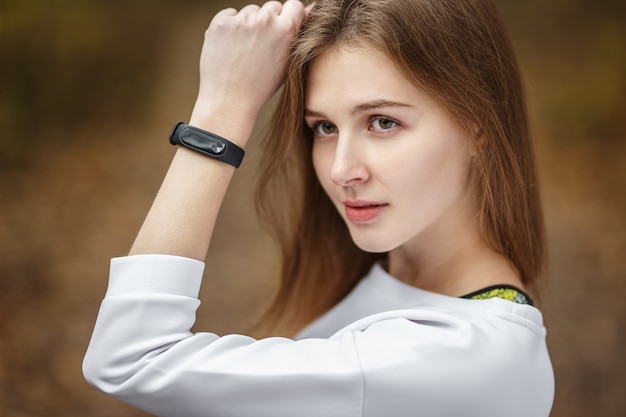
(390, 159)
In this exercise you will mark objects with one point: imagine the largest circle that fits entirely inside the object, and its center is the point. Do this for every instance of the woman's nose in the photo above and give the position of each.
(348, 167)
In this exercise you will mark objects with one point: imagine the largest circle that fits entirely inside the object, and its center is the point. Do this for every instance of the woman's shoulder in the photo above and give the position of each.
(379, 295)
(484, 354)
(482, 360)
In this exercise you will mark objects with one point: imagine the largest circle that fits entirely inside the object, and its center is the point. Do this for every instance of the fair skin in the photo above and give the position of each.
(395, 165)
(239, 72)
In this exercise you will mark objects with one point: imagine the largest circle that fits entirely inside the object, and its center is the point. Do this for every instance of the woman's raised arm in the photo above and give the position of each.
(242, 65)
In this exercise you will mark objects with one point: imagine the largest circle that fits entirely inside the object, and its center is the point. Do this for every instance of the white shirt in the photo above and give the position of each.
(388, 349)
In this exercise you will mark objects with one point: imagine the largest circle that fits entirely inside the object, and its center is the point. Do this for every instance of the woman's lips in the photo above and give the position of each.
(362, 211)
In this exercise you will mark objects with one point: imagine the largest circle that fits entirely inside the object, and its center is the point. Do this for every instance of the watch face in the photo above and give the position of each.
(208, 143)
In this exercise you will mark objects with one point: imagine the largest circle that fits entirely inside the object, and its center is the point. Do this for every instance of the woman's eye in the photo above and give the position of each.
(324, 129)
(383, 123)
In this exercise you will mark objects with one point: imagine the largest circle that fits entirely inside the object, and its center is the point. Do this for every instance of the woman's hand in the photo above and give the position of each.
(243, 59)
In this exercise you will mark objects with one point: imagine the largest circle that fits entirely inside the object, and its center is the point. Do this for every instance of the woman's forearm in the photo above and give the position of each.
(183, 214)
(241, 67)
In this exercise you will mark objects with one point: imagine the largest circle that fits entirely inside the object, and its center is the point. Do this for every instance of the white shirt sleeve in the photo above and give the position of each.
(143, 353)
(400, 364)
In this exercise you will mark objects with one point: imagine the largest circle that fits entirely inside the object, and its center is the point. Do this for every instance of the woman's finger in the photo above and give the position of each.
(293, 9)
(226, 12)
(250, 9)
(308, 9)
(273, 7)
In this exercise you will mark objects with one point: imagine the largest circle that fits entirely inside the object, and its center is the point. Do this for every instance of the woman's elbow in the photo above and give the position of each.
(107, 374)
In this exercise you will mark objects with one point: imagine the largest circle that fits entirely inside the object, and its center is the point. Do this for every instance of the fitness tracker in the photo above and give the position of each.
(206, 143)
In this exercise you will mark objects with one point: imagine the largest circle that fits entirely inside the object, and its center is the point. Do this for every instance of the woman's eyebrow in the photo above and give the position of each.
(375, 104)
(360, 108)
(312, 113)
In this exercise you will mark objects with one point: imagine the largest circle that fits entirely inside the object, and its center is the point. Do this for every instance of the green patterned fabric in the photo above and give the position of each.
(506, 292)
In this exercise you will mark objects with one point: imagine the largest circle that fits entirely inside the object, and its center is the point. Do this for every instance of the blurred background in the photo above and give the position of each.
(89, 91)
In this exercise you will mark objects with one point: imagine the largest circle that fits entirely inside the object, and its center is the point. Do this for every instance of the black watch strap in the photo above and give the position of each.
(206, 143)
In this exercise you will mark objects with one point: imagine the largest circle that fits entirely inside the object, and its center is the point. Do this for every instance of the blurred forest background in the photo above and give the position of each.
(89, 90)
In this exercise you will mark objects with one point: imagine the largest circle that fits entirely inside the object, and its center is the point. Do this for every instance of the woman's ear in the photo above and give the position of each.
(478, 141)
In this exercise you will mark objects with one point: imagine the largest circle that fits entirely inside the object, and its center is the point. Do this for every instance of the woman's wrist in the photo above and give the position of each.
(234, 122)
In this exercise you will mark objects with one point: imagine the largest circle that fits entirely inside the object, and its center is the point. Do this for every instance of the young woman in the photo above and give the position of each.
(400, 178)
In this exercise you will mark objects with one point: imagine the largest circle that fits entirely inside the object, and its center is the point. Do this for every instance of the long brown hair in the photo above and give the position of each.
(458, 52)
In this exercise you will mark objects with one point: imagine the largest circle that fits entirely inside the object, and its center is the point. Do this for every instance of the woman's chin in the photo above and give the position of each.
(372, 245)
